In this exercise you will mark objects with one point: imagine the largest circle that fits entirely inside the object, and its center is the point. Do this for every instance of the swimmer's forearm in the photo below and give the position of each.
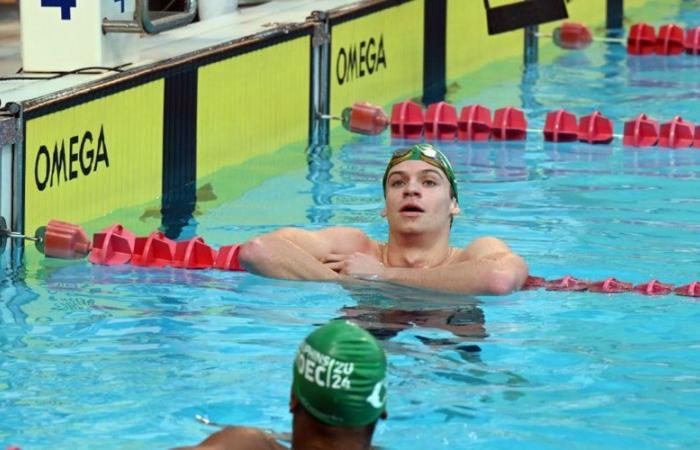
(279, 258)
(469, 277)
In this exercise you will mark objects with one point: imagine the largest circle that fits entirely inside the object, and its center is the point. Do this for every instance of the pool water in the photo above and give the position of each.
(124, 357)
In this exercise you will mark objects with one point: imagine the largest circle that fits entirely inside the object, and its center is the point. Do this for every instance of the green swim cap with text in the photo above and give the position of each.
(340, 375)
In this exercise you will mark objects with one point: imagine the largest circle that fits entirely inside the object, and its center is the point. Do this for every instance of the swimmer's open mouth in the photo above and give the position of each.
(411, 208)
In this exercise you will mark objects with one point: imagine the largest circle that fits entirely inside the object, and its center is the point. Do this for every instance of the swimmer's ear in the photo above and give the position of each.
(454, 208)
(383, 212)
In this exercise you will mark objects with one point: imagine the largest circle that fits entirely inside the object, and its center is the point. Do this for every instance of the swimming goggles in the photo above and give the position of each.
(427, 153)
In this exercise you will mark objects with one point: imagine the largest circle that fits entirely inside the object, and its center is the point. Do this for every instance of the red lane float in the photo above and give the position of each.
(533, 283)
(692, 41)
(441, 121)
(641, 132)
(227, 258)
(670, 40)
(572, 36)
(641, 39)
(407, 120)
(509, 124)
(689, 290)
(64, 240)
(696, 136)
(676, 134)
(595, 128)
(193, 254)
(155, 250)
(364, 118)
(560, 126)
(610, 286)
(111, 246)
(654, 287)
(568, 283)
(474, 123)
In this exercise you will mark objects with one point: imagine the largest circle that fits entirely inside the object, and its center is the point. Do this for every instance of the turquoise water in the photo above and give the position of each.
(124, 357)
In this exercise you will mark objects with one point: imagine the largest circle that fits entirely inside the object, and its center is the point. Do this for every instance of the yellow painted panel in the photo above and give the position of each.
(252, 104)
(88, 160)
(377, 57)
(468, 44)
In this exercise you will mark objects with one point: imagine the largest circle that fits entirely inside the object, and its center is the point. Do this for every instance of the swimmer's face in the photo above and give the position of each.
(418, 198)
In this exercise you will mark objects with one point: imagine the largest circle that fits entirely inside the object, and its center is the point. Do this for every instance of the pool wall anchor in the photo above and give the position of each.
(6, 233)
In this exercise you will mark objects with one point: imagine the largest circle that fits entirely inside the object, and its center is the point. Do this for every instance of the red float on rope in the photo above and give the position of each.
(610, 286)
(567, 283)
(441, 121)
(641, 39)
(155, 250)
(227, 258)
(560, 126)
(670, 40)
(692, 41)
(641, 132)
(193, 254)
(533, 283)
(595, 129)
(474, 123)
(364, 118)
(64, 240)
(677, 133)
(654, 287)
(572, 36)
(111, 246)
(509, 124)
(407, 120)
(689, 290)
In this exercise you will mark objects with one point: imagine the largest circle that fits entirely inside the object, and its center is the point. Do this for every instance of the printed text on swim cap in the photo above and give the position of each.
(323, 370)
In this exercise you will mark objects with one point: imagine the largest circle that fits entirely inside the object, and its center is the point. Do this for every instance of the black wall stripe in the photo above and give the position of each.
(434, 51)
(179, 151)
(615, 12)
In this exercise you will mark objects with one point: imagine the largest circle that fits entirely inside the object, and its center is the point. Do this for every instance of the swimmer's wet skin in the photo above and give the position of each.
(421, 200)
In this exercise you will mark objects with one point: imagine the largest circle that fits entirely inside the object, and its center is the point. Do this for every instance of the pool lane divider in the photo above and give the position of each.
(642, 39)
(441, 122)
(116, 245)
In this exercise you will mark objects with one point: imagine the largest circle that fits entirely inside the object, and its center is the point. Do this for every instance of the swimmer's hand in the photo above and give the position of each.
(356, 265)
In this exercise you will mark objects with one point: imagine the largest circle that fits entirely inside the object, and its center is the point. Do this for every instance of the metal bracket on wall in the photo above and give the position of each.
(531, 45)
(320, 74)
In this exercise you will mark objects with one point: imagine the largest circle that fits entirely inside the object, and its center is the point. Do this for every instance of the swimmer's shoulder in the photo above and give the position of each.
(238, 438)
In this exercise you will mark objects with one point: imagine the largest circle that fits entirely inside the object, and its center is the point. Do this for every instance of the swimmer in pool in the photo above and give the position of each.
(338, 395)
(421, 200)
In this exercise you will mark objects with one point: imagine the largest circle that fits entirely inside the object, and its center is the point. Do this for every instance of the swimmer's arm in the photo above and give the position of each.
(237, 438)
(486, 267)
(296, 254)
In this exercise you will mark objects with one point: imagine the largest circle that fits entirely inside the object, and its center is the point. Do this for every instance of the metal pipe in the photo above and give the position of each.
(530, 45)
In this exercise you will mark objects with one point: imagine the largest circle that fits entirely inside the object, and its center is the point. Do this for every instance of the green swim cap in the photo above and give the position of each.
(427, 153)
(340, 375)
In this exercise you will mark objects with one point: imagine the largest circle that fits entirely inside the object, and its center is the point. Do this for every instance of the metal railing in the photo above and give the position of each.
(151, 22)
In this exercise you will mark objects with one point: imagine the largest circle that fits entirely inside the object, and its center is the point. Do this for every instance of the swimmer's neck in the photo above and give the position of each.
(417, 251)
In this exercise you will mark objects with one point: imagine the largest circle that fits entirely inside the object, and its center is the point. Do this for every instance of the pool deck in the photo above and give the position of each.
(194, 37)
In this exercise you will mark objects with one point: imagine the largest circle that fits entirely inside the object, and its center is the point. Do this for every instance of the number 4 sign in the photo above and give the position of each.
(65, 6)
